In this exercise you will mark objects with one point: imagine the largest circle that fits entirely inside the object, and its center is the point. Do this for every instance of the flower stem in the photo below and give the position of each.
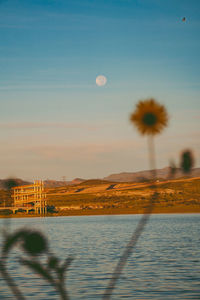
(152, 160)
(10, 282)
(63, 293)
(139, 229)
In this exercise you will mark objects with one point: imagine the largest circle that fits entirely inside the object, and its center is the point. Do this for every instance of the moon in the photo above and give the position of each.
(101, 80)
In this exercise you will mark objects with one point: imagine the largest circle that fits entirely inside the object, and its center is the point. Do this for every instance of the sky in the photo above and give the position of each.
(55, 121)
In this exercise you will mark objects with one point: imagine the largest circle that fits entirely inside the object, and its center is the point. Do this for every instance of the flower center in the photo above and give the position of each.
(149, 119)
(34, 243)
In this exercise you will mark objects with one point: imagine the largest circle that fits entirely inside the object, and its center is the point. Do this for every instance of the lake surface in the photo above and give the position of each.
(164, 265)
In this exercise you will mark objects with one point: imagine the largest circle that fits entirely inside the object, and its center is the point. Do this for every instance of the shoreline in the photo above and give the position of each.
(112, 211)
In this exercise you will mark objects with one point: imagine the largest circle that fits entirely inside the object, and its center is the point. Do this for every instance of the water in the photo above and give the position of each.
(164, 265)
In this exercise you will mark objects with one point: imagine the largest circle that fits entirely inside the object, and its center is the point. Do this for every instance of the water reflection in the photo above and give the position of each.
(164, 265)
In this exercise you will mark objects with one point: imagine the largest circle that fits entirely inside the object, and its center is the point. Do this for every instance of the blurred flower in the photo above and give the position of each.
(187, 161)
(34, 243)
(149, 117)
(10, 183)
(53, 262)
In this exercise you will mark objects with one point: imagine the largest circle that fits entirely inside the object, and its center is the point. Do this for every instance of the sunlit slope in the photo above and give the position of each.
(174, 195)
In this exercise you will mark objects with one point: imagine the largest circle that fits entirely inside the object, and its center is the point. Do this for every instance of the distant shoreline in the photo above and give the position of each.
(108, 211)
(100, 198)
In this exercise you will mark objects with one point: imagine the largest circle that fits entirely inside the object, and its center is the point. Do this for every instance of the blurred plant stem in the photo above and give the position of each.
(140, 227)
(152, 155)
(33, 243)
(10, 282)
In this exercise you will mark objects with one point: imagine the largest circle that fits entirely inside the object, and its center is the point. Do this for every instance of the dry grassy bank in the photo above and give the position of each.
(97, 197)
(103, 197)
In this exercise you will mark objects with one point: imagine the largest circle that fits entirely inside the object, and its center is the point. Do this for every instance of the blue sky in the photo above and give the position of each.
(56, 122)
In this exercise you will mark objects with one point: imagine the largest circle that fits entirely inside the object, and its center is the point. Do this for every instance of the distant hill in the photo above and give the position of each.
(47, 183)
(93, 182)
(140, 176)
(55, 183)
(164, 173)
(77, 181)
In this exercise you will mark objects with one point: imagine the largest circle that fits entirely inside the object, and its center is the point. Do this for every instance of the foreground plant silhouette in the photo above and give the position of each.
(34, 244)
(186, 163)
(150, 118)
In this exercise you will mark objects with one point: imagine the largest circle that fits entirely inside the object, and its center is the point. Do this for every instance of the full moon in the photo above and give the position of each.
(101, 80)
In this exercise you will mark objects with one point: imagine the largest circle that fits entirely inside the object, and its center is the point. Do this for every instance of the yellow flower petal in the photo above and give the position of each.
(150, 117)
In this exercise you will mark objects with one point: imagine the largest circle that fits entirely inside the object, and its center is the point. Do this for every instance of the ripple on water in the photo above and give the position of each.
(165, 264)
